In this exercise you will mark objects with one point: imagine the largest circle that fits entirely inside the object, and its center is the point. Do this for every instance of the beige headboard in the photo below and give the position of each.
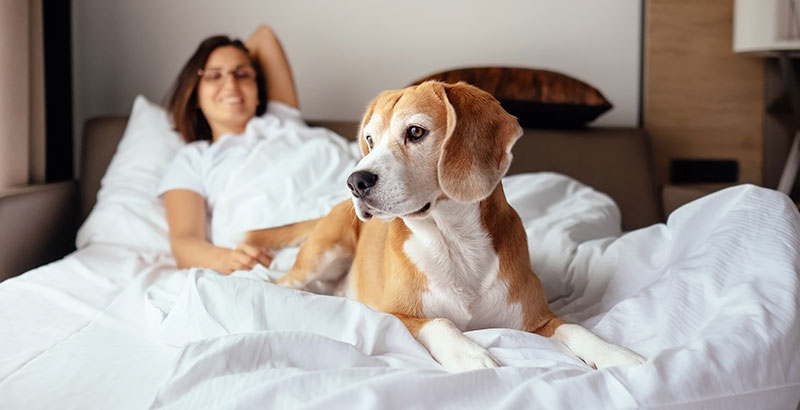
(612, 160)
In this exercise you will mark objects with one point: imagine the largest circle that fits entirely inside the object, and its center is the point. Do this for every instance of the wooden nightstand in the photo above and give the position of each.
(673, 196)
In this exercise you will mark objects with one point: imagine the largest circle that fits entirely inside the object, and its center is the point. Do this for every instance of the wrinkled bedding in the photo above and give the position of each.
(711, 298)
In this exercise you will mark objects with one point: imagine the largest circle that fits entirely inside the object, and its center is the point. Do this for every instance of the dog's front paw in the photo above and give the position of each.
(454, 351)
(467, 358)
(593, 350)
(615, 355)
(291, 282)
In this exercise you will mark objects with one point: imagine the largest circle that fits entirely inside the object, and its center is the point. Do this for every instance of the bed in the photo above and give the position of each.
(710, 297)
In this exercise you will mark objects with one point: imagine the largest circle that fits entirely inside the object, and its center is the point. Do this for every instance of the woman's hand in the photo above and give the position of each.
(245, 257)
(186, 216)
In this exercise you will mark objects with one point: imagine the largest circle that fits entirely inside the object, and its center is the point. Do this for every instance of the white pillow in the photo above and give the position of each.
(128, 211)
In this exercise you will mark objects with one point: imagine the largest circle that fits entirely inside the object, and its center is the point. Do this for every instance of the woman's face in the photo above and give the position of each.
(227, 92)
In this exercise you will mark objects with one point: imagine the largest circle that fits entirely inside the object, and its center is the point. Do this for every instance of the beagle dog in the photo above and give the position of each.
(429, 236)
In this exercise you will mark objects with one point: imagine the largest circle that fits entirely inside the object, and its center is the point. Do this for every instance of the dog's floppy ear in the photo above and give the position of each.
(476, 151)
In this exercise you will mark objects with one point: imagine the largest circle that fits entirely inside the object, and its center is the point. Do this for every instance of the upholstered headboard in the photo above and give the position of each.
(612, 160)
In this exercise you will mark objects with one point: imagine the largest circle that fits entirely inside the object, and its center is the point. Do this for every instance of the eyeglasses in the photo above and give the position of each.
(243, 75)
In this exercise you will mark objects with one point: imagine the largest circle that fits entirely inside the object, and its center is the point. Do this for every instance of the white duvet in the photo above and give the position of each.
(710, 298)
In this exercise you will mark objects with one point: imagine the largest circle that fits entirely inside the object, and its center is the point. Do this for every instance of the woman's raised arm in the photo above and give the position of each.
(266, 48)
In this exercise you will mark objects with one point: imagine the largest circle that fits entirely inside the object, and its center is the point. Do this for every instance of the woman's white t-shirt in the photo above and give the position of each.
(206, 168)
(279, 171)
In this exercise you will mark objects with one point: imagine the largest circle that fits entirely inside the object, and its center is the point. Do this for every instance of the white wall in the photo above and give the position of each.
(345, 52)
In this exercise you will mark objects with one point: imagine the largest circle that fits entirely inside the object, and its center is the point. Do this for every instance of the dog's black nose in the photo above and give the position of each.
(360, 182)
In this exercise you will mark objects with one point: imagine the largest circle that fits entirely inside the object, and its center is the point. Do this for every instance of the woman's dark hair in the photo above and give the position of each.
(187, 117)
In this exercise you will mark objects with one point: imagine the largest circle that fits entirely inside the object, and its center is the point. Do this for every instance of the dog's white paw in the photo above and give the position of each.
(593, 350)
(615, 355)
(454, 351)
(290, 282)
(467, 358)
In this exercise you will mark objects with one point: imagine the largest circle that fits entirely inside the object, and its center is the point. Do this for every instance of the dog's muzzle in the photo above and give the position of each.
(360, 183)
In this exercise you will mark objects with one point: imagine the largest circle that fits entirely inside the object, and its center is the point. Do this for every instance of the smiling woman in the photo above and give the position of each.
(228, 104)
(195, 100)
(222, 87)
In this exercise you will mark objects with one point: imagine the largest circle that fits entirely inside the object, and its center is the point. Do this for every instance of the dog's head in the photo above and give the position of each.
(430, 142)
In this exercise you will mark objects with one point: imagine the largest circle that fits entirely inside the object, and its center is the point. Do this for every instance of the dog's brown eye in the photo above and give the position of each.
(415, 133)
(369, 140)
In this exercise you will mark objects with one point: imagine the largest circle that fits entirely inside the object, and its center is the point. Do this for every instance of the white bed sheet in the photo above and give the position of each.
(711, 298)
(75, 334)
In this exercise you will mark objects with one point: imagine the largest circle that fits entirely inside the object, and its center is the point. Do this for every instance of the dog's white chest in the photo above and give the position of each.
(456, 255)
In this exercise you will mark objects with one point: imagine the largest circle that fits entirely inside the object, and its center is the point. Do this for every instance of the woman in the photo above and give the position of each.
(219, 90)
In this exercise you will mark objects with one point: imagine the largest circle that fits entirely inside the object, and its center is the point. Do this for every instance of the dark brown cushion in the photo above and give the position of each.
(538, 98)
